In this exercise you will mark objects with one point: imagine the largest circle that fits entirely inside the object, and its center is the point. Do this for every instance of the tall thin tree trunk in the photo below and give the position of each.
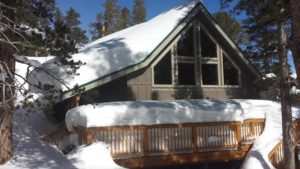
(5, 137)
(295, 40)
(7, 105)
(287, 128)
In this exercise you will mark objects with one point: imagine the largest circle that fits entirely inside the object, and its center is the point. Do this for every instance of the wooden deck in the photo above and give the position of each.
(175, 144)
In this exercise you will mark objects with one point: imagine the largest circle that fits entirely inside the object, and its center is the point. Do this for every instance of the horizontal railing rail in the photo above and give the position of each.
(172, 138)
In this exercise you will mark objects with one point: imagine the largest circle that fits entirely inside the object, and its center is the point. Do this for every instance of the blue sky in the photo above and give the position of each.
(89, 8)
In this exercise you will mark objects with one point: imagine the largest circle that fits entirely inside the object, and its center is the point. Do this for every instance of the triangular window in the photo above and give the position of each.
(231, 73)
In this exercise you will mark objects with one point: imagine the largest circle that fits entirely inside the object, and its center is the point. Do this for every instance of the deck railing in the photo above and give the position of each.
(61, 138)
(252, 128)
(172, 138)
(276, 156)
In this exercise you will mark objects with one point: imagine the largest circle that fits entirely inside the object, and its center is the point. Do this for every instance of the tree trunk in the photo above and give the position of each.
(295, 39)
(287, 128)
(5, 137)
(7, 104)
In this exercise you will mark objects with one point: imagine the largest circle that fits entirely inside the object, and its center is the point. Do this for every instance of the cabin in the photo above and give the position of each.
(180, 54)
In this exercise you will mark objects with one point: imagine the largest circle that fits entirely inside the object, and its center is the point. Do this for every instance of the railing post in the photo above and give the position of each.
(194, 137)
(145, 139)
(77, 100)
(88, 136)
(239, 132)
(252, 128)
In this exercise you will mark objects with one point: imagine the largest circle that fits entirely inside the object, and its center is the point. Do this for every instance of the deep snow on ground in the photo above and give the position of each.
(29, 152)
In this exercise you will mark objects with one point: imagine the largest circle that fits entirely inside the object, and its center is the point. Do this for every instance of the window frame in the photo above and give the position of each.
(156, 61)
(208, 60)
(197, 60)
(186, 59)
(224, 54)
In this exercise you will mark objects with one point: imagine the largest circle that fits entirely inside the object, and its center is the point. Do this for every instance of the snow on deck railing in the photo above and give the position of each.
(172, 138)
(276, 156)
(61, 138)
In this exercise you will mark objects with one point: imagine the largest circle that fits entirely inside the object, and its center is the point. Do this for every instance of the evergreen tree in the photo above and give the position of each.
(124, 21)
(111, 17)
(27, 27)
(96, 28)
(273, 16)
(60, 42)
(230, 26)
(17, 20)
(139, 12)
(76, 33)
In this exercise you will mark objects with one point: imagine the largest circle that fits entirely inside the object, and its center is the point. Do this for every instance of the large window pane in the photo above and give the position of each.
(210, 74)
(185, 46)
(163, 70)
(186, 74)
(231, 76)
(208, 47)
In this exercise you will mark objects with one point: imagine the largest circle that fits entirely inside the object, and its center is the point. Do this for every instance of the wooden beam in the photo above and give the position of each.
(180, 159)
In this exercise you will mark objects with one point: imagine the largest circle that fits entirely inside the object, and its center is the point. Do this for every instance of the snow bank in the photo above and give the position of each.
(95, 156)
(120, 50)
(153, 112)
(258, 156)
(294, 90)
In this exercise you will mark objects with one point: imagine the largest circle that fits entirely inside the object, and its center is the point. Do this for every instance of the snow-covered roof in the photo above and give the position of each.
(128, 50)
(125, 48)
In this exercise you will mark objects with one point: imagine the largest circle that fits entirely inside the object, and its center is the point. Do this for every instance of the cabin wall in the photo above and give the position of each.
(139, 87)
(115, 90)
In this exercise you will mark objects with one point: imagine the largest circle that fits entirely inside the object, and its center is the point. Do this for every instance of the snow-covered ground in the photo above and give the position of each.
(29, 152)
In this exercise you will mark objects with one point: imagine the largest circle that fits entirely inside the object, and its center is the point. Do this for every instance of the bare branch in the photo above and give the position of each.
(6, 6)
(8, 41)
(15, 31)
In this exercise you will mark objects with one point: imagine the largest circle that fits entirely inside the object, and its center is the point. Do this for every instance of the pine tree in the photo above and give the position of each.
(139, 12)
(16, 35)
(274, 15)
(76, 33)
(26, 27)
(230, 26)
(60, 42)
(124, 21)
(111, 17)
(96, 28)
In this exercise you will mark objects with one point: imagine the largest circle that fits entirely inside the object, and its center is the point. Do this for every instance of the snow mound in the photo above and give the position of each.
(153, 112)
(270, 75)
(95, 156)
(294, 90)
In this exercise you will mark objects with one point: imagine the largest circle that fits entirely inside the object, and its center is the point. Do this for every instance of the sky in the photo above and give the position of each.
(89, 8)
